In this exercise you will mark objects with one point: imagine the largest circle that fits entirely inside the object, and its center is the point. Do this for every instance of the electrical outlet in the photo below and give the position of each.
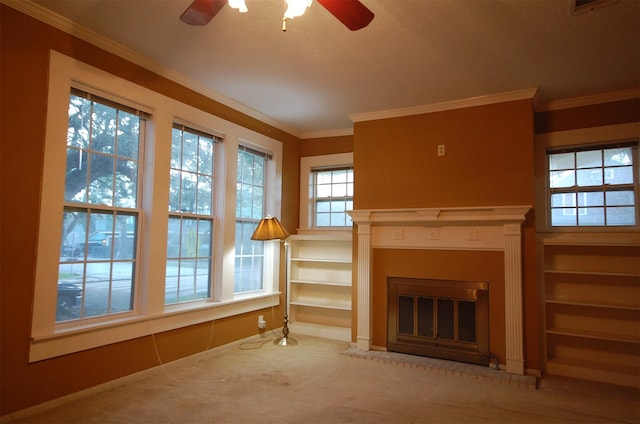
(262, 324)
(440, 149)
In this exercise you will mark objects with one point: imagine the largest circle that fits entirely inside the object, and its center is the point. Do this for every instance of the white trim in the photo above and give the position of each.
(78, 339)
(327, 133)
(162, 368)
(306, 163)
(64, 24)
(472, 228)
(614, 96)
(527, 93)
(49, 339)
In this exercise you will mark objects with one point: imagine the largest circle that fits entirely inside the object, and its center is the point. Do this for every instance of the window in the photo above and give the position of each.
(250, 209)
(593, 186)
(332, 193)
(189, 238)
(97, 270)
(326, 191)
(135, 236)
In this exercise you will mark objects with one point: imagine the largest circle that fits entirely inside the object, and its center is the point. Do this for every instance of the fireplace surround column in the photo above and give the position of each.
(363, 329)
(513, 298)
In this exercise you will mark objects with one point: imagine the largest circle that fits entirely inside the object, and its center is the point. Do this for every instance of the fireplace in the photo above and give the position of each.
(482, 228)
(438, 318)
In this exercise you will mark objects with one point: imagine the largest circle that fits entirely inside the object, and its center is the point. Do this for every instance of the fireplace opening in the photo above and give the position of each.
(439, 318)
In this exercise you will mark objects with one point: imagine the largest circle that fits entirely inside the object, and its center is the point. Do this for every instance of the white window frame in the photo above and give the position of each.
(308, 163)
(150, 315)
(577, 138)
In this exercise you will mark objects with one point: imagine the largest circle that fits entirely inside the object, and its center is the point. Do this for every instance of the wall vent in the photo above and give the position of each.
(581, 6)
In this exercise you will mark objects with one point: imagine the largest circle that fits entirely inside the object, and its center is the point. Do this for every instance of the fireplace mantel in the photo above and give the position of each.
(468, 228)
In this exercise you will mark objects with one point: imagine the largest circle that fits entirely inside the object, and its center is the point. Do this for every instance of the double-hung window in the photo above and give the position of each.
(135, 233)
(98, 249)
(594, 186)
(332, 196)
(326, 191)
(190, 227)
(250, 209)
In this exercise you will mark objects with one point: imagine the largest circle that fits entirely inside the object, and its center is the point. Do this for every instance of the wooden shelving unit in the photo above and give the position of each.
(592, 310)
(320, 281)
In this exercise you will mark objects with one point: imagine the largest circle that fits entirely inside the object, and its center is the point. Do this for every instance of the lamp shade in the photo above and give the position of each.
(269, 228)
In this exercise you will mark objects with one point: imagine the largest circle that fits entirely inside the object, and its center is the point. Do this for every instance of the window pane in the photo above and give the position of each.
(79, 122)
(589, 159)
(189, 152)
(563, 217)
(559, 179)
(561, 161)
(620, 198)
(103, 129)
(126, 187)
(589, 177)
(621, 156)
(619, 175)
(337, 220)
(339, 190)
(324, 177)
(204, 195)
(101, 185)
(591, 199)
(621, 216)
(563, 199)
(128, 135)
(322, 220)
(337, 206)
(323, 191)
(591, 216)
(176, 148)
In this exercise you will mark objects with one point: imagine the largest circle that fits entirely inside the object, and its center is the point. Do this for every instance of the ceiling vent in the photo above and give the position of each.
(581, 6)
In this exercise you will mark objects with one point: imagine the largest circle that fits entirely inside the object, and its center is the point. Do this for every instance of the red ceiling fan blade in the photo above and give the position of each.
(353, 14)
(202, 11)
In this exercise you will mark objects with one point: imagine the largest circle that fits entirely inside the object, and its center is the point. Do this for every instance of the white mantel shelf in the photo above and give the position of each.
(468, 228)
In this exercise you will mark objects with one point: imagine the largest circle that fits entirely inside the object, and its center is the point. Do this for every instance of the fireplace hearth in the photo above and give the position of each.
(439, 318)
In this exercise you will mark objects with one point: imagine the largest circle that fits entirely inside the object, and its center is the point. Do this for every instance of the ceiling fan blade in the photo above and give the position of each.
(353, 14)
(202, 11)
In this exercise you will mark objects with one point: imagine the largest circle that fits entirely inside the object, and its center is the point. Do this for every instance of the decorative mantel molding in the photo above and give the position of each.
(470, 228)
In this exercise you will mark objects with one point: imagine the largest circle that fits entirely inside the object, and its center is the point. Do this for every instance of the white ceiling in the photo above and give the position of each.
(309, 79)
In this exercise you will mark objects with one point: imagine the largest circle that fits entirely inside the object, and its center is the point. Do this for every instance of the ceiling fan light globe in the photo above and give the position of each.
(296, 8)
(238, 4)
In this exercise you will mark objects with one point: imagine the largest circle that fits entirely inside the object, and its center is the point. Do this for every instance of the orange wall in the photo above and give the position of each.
(488, 161)
(621, 112)
(326, 145)
(24, 65)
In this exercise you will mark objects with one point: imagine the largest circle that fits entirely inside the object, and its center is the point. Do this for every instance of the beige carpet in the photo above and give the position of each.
(319, 381)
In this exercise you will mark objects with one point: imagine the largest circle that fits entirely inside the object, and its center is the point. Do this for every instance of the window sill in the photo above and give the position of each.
(70, 340)
(618, 237)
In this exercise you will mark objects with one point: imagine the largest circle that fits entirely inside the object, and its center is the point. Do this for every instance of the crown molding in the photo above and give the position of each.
(327, 133)
(614, 96)
(64, 24)
(527, 93)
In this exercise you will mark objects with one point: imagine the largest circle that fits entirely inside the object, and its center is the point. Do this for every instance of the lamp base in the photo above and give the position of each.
(285, 341)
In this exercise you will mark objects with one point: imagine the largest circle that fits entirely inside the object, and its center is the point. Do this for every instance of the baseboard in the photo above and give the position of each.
(110, 385)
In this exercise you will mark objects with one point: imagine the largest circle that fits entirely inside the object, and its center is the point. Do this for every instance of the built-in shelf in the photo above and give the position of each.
(320, 284)
(591, 290)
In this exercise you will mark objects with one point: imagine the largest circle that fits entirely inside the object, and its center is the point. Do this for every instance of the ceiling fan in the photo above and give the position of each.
(353, 14)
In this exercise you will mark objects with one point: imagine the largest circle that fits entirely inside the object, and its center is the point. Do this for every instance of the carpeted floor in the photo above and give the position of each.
(322, 381)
